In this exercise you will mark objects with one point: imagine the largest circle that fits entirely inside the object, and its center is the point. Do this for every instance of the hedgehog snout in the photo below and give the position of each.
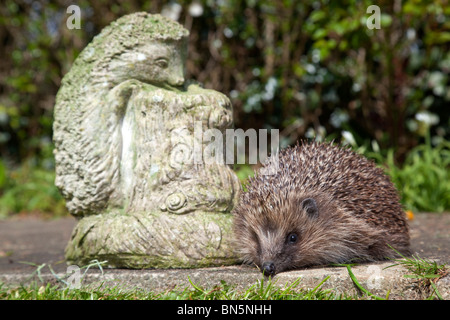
(268, 268)
(177, 81)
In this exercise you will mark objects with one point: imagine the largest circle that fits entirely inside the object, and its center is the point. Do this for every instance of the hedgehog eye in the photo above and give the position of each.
(162, 63)
(292, 238)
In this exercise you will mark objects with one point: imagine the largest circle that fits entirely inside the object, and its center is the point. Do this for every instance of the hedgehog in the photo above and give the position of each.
(320, 204)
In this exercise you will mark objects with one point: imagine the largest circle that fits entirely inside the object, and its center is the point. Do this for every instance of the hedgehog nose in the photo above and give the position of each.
(268, 268)
(179, 81)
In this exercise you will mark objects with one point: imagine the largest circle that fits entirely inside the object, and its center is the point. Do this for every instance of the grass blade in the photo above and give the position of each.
(359, 286)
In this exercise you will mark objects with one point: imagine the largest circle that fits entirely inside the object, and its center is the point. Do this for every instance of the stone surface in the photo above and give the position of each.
(443, 287)
(130, 156)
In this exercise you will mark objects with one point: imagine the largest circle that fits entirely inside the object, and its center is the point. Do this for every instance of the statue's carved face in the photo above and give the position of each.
(157, 63)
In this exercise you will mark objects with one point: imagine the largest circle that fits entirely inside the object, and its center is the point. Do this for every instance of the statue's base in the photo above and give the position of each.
(153, 240)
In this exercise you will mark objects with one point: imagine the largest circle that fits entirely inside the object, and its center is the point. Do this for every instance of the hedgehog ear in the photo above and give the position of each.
(310, 206)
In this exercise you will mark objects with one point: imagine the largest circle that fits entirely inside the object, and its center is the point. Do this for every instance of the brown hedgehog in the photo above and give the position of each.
(323, 204)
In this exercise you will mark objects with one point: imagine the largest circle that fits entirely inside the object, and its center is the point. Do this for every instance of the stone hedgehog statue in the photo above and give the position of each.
(97, 87)
(324, 204)
(131, 155)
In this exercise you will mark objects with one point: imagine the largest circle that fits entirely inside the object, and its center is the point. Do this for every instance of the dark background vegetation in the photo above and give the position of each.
(308, 68)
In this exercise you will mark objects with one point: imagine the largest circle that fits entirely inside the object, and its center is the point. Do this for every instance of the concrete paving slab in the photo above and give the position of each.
(38, 241)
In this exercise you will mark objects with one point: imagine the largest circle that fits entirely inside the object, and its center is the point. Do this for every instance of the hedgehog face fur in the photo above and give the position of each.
(324, 205)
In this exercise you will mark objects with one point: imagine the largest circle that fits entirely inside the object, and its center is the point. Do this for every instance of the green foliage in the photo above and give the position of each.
(29, 189)
(292, 65)
(264, 289)
(304, 67)
(243, 172)
(261, 290)
(322, 67)
(424, 178)
(426, 271)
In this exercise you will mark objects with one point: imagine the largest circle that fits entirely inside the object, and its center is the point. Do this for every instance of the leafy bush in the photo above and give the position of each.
(303, 67)
(29, 189)
(424, 178)
(292, 65)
